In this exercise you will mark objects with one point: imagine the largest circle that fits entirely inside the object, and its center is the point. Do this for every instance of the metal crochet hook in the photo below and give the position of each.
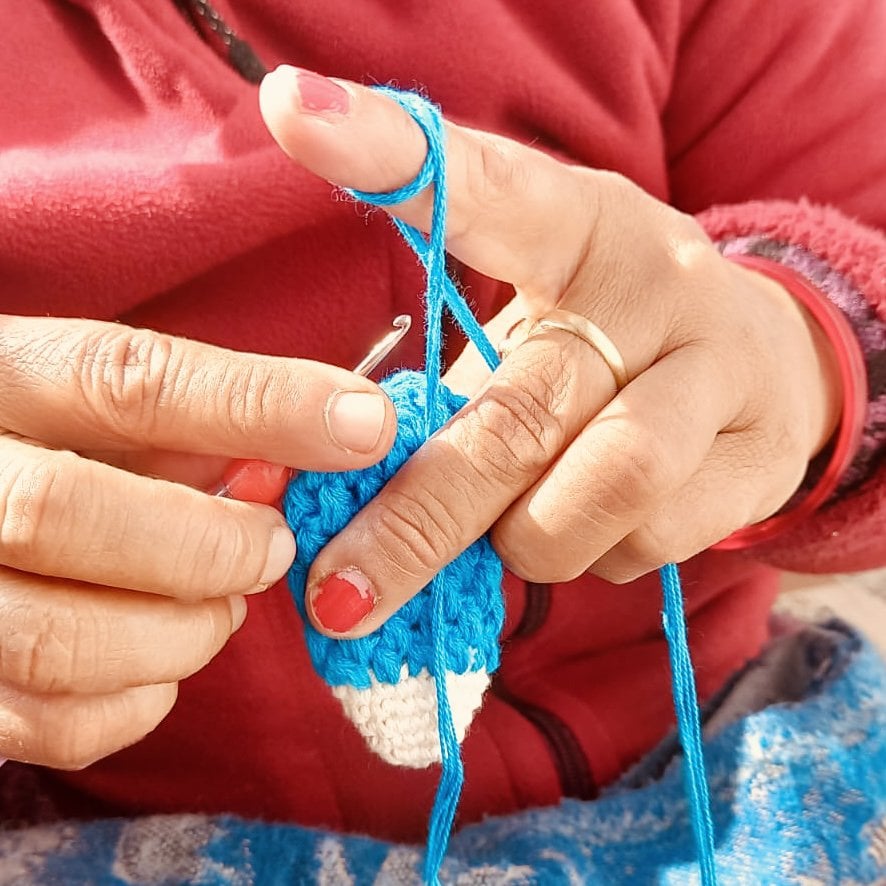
(382, 348)
(250, 479)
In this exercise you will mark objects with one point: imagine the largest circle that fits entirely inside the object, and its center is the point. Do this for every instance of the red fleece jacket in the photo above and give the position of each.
(138, 183)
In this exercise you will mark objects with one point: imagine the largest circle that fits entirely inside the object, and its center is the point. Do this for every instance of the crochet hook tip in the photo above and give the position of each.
(239, 472)
(402, 324)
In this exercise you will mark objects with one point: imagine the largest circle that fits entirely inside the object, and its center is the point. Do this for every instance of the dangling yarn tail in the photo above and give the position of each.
(688, 721)
(452, 775)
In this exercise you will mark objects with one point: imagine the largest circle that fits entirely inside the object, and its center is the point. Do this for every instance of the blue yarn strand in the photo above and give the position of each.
(431, 252)
(452, 774)
(440, 290)
(688, 721)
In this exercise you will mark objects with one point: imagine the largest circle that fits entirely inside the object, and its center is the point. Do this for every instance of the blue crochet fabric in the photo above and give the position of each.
(798, 793)
(319, 505)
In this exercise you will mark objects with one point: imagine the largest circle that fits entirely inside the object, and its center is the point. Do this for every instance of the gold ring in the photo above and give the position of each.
(574, 324)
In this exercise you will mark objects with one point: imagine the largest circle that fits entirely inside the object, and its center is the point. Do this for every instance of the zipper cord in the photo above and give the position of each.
(210, 25)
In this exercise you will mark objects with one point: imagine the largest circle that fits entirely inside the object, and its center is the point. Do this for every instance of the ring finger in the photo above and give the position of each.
(635, 454)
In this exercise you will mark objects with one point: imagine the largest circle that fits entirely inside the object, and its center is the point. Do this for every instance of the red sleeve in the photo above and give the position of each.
(780, 101)
(846, 262)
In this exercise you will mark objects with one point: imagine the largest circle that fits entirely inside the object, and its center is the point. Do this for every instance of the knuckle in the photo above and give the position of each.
(417, 534)
(124, 374)
(30, 493)
(49, 651)
(214, 556)
(499, 174)
(636, 477)
(494, 175)
(515, 430)
(248, 394)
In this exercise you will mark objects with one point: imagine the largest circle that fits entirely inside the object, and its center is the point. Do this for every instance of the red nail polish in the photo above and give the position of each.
(343, 600)
(249, 479)
(319, 95)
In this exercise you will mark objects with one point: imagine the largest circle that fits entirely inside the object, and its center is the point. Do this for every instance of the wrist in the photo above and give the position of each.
(840, 406)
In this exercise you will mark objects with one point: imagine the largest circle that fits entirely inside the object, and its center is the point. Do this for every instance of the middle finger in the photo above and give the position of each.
(66, 516)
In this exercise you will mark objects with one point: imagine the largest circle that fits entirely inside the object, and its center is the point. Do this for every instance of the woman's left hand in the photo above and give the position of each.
(732, 387)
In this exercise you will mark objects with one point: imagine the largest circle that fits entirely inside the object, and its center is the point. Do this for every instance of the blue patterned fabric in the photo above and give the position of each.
(798, 793)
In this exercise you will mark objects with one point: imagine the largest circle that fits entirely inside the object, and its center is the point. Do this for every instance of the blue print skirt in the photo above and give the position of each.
(798, 791)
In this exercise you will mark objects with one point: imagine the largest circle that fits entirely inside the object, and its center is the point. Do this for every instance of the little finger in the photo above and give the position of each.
(72, 731)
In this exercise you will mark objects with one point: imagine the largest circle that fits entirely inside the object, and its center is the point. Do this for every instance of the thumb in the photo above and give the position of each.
(514, 213)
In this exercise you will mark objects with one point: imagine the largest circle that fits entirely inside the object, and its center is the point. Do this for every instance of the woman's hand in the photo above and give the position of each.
(731, 386)
(113, 585)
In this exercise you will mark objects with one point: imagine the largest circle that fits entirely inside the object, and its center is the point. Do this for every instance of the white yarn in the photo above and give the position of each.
(399, 720)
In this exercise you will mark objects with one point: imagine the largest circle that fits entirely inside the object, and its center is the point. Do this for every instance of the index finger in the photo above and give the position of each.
(83, 384)
(458, 483)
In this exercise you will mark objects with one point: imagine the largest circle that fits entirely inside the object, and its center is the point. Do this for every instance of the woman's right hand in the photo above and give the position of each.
(114, 585)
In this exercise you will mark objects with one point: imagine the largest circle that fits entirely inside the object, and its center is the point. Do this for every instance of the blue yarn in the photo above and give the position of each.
(318, 506)
(432, 254)
(440, 291)
(688, 721)
(462, 636)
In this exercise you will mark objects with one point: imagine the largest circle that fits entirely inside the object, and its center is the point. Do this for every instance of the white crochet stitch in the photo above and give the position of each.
(399, 720)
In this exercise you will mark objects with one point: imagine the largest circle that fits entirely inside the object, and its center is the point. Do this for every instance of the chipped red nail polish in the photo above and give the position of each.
(253, 480)
(342, 600)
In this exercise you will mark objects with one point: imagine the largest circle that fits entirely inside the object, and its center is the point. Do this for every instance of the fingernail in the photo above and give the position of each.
(342, 600)
(238, 612)
(355, 421)
(281, 553)
(253, 480)
(319, 95)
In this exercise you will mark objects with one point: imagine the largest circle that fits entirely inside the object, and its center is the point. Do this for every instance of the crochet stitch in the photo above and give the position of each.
(383, 680)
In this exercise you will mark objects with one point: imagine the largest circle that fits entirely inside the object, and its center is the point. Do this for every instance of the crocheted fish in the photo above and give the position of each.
(385, 681)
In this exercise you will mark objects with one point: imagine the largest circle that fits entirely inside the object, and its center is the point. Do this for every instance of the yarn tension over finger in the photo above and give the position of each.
(443, 644)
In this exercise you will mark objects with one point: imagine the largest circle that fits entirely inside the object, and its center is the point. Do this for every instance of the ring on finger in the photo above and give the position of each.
(574, 324)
